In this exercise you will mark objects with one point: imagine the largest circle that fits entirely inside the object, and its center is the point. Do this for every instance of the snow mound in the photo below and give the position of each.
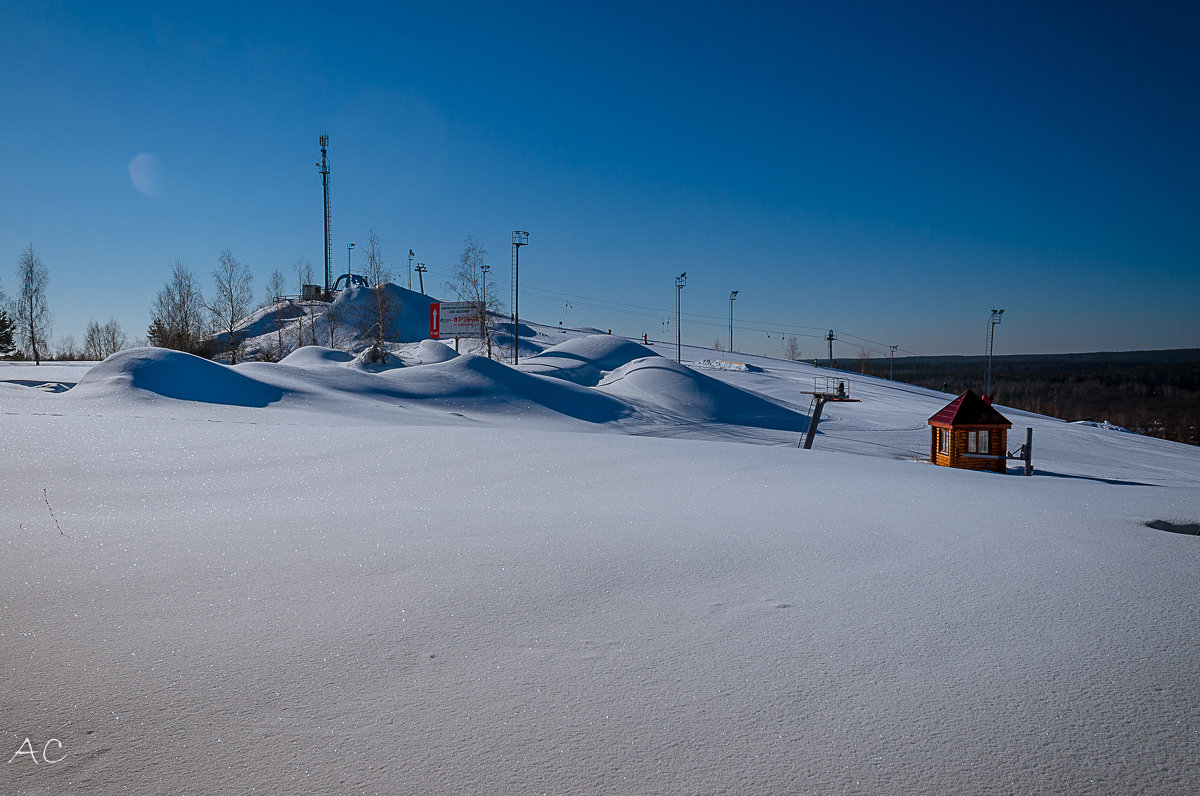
(427, 352)
(315, 355)
(682, 392)
(355, 309)
(173, 374)
(722, 364)
(584, 360)
(1104, 424)
(481, 384)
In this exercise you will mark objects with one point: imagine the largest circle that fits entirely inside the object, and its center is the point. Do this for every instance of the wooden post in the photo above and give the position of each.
(1028, 451)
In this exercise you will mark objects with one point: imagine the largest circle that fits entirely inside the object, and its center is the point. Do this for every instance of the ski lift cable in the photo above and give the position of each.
(574, 300)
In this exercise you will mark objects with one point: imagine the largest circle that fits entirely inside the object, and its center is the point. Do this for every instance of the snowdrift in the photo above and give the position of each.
(142, 372)
(486, 385)
(597, 379)
(584, 360)
(427, 352)
(663, 384)
(316, 356)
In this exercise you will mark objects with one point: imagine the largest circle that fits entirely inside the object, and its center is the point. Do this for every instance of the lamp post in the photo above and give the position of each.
(991, 337)
(891, 361)
(520, 238)
(680, 283)
(484, 268)
(732, 296)
(349, 246)
(410, 256)
(421, 269)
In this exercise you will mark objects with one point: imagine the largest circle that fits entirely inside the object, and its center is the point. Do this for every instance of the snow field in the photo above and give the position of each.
(427, 579)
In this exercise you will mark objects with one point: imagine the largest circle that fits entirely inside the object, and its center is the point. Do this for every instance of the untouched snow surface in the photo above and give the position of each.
(451, 575)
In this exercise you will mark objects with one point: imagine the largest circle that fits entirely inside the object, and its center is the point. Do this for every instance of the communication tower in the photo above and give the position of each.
(324, 167)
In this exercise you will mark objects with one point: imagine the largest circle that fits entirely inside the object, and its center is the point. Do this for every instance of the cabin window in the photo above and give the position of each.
(977, 442)
(943, 441)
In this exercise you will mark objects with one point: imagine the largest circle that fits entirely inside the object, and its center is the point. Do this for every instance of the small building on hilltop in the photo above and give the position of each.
(969, 433)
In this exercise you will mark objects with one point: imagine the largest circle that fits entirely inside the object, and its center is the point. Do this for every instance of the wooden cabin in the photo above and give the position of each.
(969, 433)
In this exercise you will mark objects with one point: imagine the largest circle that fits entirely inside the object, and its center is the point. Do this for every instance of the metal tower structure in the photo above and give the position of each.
(732, 298)
(991, 336)
(519, 239)
(680, 284)
(324, 167)
(483, 310)
(831, 337)
(826, 389)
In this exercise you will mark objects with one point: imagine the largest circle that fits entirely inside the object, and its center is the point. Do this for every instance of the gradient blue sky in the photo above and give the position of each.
(891, 171)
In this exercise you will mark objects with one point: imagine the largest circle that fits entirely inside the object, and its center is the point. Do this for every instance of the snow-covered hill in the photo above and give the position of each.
(572, 576)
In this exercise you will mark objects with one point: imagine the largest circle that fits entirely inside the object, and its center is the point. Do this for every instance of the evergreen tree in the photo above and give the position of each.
(6, 334)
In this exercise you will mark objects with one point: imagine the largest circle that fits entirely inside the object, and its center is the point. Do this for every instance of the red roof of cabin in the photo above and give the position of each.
(969, 409)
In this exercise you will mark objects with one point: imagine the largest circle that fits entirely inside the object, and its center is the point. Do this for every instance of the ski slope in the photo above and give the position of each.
(597, 572)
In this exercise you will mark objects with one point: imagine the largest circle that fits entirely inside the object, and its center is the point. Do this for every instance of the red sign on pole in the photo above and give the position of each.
(435, 314)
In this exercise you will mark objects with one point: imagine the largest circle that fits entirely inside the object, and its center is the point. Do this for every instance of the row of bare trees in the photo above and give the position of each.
(25, 322)
(181, 319)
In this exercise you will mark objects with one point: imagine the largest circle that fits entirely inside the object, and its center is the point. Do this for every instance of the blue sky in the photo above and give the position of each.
(890, 171)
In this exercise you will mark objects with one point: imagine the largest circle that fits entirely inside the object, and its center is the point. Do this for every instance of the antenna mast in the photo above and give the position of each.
(324, 167)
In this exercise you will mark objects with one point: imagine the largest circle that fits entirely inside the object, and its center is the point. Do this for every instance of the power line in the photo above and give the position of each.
(699, 319)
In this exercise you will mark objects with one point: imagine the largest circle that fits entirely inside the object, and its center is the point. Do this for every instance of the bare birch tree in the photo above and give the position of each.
(276, 285)
(33, 315)
(304, 276)
(469, 283)
(381, 309)
(235, 296)
(177, 315)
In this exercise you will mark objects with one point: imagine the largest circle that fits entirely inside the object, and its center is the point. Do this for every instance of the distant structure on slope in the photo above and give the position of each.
(826, 389)
(970, 434)
(350, 280)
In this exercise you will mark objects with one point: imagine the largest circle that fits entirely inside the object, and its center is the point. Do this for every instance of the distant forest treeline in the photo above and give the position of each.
(1156, 393)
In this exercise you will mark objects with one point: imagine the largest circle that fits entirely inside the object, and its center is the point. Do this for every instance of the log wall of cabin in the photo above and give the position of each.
(995, 459)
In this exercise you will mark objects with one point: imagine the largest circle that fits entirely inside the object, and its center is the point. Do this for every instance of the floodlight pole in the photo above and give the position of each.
(732, 296)
(891, 362)
(991, 337)
(484, 268)
(680, 283)
(410, 258)
(421, 269)
(349, 246)
(519, 238)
